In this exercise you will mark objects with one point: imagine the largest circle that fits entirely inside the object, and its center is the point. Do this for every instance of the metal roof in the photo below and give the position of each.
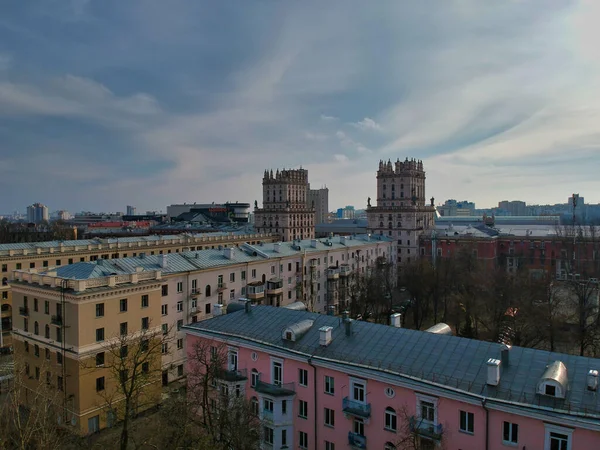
(418, 357)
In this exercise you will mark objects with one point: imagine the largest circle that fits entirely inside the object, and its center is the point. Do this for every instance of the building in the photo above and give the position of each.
(401, 212)
(37, 213)
(341, 227)
(513, 208)
(285, 210)
(227, 212)
(170, 290)
(319, 381)
(319, 200)
(130, 210)
(43, 255)
(347, 212)
(454, 208)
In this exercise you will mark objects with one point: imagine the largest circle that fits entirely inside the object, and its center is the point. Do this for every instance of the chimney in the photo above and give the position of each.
(313, 243)
(345, 315)
(229, 252)
(592, 380)
(247, 306)
(348, 325)
(217, 310)
(331, 311)
(396, 320)
(325, 336)
(493, 375)
(504, 355)
(163, 260)
(277, 247)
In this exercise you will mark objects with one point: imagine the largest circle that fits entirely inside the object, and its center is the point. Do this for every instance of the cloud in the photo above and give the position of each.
(341, 158)
(325, 118)
(367, 124)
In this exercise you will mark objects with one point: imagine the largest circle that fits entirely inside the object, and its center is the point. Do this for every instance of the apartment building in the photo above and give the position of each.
(323, 382)
(43, 255)
(171, 291)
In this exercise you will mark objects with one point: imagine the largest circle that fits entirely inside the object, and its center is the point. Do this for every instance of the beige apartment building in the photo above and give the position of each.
(43, 255)
(180, 288)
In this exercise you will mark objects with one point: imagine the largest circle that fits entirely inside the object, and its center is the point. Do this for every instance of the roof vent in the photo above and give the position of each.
(325, 336)
(493, 372)
(164, 261)
(313, 243)
(504, 355)
(296, 331)
(396, 320)
(277, 247)
(592, 380)
(554, 380)
(217, 310)
(229, 252)
(440, 328)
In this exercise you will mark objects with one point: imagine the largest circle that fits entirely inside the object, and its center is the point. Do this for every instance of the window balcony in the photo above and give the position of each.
(255, 291)
(355, 408)
(357, 440)
(56, 320)
(233, 375)
(24, 311)
(267, 415)
(333, 273)
(345, 270)
(221, 287)
(275, 390)
(274, 286)
(426, 428)
(195, 293)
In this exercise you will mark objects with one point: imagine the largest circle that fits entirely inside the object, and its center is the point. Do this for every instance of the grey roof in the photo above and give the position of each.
(449, 362)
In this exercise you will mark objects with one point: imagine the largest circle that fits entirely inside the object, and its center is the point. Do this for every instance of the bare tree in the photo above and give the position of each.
(415, 433)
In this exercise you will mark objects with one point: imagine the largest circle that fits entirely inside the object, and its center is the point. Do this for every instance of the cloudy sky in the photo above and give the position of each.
(105, 103)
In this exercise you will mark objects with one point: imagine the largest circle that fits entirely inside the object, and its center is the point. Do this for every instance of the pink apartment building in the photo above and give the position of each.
(325, 382)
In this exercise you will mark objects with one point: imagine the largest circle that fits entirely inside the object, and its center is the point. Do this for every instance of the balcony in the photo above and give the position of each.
(345, 270)
(267, 415)
(426, 428)
(274, 286)
(355, 408)
(24, 311)
(221, 287)
(357, 440)
(275, 390)
(193, 311)
(195, 293)
(233, 375)
(255, 290)
(333, 273)
(56, 320)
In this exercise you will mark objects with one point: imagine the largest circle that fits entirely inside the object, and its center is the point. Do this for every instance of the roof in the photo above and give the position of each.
(170, 263)
(449, 362)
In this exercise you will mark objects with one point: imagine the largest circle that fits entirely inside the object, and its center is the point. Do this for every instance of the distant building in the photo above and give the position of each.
(347, 212)
(285, 210)
(131, 210)
(212, 212)
(454, 208)
(37, 213)
(513, 208)
(319, 200)
(63, 215)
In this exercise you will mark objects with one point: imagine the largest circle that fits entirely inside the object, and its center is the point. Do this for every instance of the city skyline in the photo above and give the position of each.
(157, 104)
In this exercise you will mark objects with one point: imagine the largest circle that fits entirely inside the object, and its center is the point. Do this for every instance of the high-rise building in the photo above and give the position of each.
(130, 210)
(513, 208)
(401, 212)
(347, 212)
(319, 200)
(37, 213)
(453, 208)
(285, 210)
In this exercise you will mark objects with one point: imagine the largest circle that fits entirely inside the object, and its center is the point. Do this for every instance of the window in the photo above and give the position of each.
(179, 287)
(59, 335)
(36, 327)
(123, 329)
(277, 372)
(164, 309)
(268, 405)
(329, 385)
(357, 391)
(254, 377)
(59, 358)
(180, 370)
(46, 307)
(510, 433)
(165, 328)
(4, 267)
(329, 417)
(253, 273)
(144, 345)
(557, 438)
(179, 324)
(165, 290)
(391, 420)
(124, 351)
(220, 281)
(123, 375)
(359, 427)
(302, 439)
(179, 306)
(303, 377)
(427, 408)
(47, 331)
(99, 334)
(164, 348)
(179, 344)
(145, 301)
(232, 359)
(232, 294)
(145, 323)
(466, 422)
(123, 305)
(329, 445)
(35, 304)
(220, 298)
(243, 275)
(232, 277)
(47, 353)
(207, 308)
(268, 435)
(32, 265)
(302, 409)
(254, 404)
(99, 384)
(283, 438)
(145, 367)
(99, 309)
(59, 383)
(389, 446)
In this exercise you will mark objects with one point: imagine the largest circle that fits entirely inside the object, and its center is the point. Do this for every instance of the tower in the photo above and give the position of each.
(285, 210)
(402, 212)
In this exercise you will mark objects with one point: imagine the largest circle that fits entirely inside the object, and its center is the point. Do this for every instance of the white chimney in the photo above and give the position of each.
(493, 375)
(396, 320)
(277, 247)
(164, 261)
(592, 380)
(343, 240)
(217, 310)
(325, 336)
(229, 252)
(313, 243)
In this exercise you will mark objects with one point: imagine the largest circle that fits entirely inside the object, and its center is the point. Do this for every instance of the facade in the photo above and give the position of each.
(43, 255)
(513, 208)
(130, 210)
(454, 208)
(401, 212)
(347, 212)
(285, 210)
(319, 200)
(180, 288)
(323, 382)
(37, 213)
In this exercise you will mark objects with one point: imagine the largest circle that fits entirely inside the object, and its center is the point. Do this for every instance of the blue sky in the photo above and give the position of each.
(105, 103)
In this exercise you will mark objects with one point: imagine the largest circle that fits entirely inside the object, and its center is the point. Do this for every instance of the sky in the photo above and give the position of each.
(108, 103)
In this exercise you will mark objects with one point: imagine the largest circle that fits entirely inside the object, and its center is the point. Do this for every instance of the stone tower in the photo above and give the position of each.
(402, 211)
(285, 210)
